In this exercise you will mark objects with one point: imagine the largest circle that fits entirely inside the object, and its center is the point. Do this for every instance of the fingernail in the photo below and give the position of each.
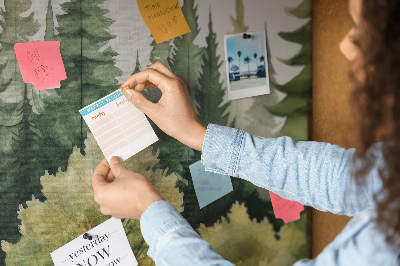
(125, 88)
(128, 93)
(115, 160)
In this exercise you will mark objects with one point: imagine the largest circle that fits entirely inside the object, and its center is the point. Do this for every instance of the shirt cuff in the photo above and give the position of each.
(158, 219)
(222, 148)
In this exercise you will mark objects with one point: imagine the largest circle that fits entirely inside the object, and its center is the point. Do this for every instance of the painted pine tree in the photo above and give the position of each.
(161, 52)
(188, 56)
(237, 108)
(15, 29)
(295, 106)
(21, 178)
(186, 64)
(91, 74)
(211, 110)
(49, 31)
(11, 83)
(211, 90)
(261, 122)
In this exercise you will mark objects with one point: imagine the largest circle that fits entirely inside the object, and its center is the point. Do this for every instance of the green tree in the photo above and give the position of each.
(16, 28)
(20, 178)
(296, 105)
(186, 64)
(161, 52)
(70, 209)
(211, 110)
(91, 74)
(261, 122)
(188, 56)
(49, 32)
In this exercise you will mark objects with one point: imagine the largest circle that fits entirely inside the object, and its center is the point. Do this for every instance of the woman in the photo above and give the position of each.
(316, 174)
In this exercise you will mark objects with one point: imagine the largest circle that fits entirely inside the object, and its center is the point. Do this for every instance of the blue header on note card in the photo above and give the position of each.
(100, 103)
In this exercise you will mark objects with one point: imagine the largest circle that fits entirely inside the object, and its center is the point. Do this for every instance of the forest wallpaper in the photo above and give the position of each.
(49, 155)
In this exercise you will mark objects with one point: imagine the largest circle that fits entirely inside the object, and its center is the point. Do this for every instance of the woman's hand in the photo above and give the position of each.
(174, 113)
(126, 197)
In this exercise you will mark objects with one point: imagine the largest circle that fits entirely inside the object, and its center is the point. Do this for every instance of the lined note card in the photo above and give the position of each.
(118, 126)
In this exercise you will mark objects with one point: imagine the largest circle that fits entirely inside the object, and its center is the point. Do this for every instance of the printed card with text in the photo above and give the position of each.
(118, 126)
(209, 186)
(108, 246)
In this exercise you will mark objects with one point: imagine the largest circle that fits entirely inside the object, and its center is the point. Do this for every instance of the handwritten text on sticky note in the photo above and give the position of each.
(164, 18)
(209, 186)
(284, 209)
(41, 63)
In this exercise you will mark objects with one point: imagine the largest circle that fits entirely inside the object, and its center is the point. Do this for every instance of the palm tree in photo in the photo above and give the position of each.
(262, 59)
(239, 54)
(230, 60)
(255, 61)
(247, 60)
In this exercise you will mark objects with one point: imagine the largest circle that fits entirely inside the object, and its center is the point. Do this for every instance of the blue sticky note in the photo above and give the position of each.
(209, 186)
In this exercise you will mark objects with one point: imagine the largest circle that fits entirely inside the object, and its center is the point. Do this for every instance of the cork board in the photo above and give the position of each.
(331, 89)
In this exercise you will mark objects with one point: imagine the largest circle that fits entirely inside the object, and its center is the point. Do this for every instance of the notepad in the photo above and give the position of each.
(118, 126)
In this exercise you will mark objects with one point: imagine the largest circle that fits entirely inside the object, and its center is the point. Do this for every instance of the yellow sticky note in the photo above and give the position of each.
(164, 18)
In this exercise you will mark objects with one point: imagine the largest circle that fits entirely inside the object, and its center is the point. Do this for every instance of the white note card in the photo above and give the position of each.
(118, 126)
(109, 246)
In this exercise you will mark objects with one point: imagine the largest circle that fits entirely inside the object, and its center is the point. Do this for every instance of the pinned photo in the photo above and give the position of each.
(246, 64)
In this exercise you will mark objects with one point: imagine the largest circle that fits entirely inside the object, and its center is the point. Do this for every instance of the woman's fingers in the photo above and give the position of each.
(160, 67)
(158, 79)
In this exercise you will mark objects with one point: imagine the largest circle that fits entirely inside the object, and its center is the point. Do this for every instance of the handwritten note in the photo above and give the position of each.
(108, 246)
(284, 209)
(209, 186)
(118, 126)
(164, 18)
(41, 63)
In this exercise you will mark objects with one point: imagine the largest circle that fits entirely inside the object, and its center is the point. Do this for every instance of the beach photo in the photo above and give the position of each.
(246, 63)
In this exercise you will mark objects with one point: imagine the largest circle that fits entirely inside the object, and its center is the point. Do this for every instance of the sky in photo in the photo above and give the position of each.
(247, 47)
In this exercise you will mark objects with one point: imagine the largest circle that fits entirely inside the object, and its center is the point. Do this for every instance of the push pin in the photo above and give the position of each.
(246, 36)
(87, 236)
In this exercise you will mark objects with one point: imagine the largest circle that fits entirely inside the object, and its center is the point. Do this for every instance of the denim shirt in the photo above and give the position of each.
(314, 174)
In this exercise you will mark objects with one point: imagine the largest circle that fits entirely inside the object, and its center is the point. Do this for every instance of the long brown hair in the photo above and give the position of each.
(375, 104)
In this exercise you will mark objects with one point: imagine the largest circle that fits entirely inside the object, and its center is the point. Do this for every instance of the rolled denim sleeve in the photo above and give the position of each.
(172, 240)
(312, 173)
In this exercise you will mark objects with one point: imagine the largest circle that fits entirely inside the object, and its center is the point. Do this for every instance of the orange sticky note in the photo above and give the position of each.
(164, 18)
(41, 63)
(284, 209)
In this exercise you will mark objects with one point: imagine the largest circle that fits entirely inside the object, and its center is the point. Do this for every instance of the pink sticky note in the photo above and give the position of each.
(41, 63)
(284, 209)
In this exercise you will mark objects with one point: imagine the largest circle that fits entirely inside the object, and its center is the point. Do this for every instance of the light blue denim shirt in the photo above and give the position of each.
(314, 174)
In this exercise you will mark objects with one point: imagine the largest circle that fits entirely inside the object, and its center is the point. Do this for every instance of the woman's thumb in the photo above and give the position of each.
(116, 166)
